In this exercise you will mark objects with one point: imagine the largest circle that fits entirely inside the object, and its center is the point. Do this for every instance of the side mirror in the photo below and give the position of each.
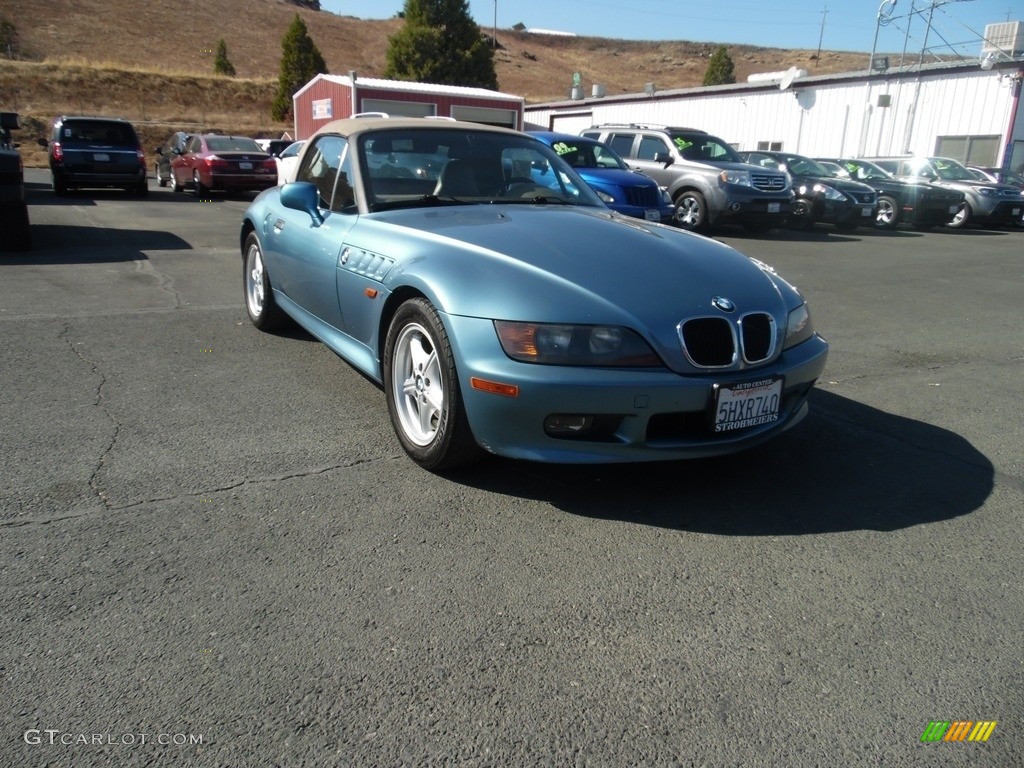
(664, 158)
(159, 150)
(176, 151)
(303, 196)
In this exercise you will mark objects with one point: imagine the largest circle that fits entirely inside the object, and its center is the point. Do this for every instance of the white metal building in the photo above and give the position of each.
(959, 110)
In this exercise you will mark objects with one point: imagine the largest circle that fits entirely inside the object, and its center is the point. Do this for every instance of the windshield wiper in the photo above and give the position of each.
(417, 202)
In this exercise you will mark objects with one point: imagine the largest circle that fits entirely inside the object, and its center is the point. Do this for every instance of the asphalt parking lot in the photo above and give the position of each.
(213, 551)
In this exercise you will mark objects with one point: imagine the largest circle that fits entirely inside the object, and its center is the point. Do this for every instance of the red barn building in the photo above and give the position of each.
(334, 97)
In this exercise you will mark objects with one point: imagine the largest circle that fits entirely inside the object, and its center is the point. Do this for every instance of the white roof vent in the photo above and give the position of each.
(1005, 37)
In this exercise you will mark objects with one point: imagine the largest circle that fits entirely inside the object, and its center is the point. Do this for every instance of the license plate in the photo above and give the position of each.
(1016, 211)
(652, 215)
(954, 208)
(245, 166)
(101, 158)
(865, 211)
(751, 404)
(774, 207)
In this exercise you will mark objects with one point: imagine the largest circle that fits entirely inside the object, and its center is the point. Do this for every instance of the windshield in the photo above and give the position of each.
(409, 167)
(703, 147)
(584, 153)
(232, 144)
(862, 170)
(951, 170)
(799, 165)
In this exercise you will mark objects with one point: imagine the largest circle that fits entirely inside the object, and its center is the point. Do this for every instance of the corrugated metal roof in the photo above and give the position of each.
(411, 87)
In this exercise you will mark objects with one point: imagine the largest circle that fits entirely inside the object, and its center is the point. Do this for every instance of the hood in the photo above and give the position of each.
(615, 177)
(545, 263)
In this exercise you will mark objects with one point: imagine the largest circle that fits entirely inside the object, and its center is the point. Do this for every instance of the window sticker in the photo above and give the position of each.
(682, 143)
(562, 148)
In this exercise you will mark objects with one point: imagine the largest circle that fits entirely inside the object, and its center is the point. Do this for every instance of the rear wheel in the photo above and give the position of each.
(60, 187)
(259, 298)
(422, 390)
(691, 211)
(160, 180)
(201, 189)
(962, 218)
(141, 189)
(888, 214)
(175, 186)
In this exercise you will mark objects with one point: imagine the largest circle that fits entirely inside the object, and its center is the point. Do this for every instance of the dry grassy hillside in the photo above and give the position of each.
(153, 62)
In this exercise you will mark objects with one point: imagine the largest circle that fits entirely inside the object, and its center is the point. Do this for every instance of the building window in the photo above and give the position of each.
(969, 150)
(770, 146)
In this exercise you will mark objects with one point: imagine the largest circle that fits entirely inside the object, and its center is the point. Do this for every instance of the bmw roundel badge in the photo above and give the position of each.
(722, 303)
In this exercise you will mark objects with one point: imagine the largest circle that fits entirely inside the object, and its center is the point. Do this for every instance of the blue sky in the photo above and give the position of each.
(849, 25)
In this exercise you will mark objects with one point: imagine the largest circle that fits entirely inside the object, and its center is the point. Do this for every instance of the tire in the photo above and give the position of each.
(691, 211)
(422, 390)
(888, 214)
(802, 215)
(60, 187)
(259, 297)
(200, 189)
(962, 218)
(15, 226)
(160, 180)
(175, 186)
(141, 190)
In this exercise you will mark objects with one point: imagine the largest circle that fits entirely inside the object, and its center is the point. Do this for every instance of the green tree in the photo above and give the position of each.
(8, 38)
(221, 64)
(440, 43)
(301, 61)
(720, 69)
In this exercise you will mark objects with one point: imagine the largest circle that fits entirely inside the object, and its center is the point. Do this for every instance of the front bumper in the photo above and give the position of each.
(753, 208)
(649, 415)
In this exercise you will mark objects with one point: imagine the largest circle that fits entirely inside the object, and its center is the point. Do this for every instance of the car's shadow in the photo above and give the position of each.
(58, 244)
(847, 467)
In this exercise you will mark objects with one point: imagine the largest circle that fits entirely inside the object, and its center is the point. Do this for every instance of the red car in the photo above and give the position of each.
(230, 163)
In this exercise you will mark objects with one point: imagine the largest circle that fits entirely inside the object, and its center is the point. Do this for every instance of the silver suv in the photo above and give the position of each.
(707, 181)
(984, 203)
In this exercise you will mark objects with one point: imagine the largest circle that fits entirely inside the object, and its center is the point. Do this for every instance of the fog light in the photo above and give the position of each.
(568, 424)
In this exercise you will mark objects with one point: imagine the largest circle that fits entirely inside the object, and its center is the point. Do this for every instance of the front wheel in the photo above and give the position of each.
(691, 211)
(801, 216)
(963, 216)
(259, 298)
(201, 189)
(160, 180)
(422, 390)
(888, 214)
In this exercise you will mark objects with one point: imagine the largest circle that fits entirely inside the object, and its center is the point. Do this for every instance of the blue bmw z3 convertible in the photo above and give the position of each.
(504, 308)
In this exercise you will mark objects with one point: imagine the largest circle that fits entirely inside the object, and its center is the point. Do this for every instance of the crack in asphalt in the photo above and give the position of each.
(197, 494)
(97, 402)
(164, 282)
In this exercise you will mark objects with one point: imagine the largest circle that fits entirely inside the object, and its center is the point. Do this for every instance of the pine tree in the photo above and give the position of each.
(440, 43)
(300, 62)
(720, 68)
(221, 64)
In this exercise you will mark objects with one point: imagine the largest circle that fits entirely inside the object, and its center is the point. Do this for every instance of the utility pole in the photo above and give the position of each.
(820, 37)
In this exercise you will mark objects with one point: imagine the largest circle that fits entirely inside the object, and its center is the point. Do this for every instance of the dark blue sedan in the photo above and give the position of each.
(624, 190)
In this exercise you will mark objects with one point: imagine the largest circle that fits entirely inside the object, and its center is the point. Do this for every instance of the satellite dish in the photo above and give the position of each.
(788, 77)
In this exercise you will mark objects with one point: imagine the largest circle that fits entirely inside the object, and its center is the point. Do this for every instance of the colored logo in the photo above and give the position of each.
(958, 730)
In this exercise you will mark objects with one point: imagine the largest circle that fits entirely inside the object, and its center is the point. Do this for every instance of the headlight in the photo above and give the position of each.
(735, 177)
(986, 191)
(798, 327)
(604, 196)
(666, 198)
(830, 193)
(597, 345)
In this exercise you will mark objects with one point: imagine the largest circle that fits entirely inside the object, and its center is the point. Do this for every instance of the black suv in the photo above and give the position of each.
(918, 203)
(708, 182)
(96, 152)
(820, 196)
(14, 228)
